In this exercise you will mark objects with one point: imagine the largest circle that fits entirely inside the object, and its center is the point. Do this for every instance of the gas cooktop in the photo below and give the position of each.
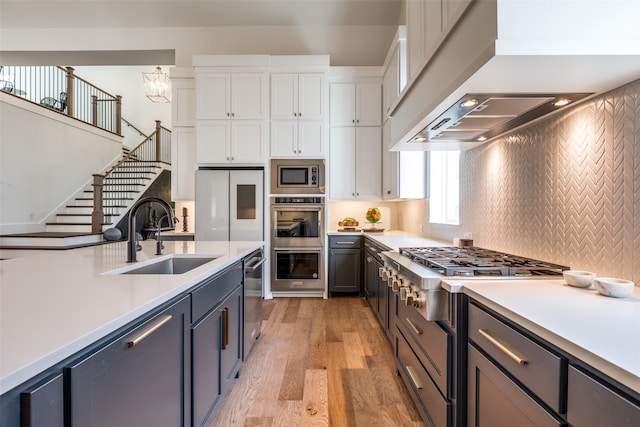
(474, 261)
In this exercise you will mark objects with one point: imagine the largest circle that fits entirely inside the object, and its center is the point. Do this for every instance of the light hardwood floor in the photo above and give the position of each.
(319, 362)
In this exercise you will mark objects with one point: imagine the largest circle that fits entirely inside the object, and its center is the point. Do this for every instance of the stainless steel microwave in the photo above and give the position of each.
(297, 176)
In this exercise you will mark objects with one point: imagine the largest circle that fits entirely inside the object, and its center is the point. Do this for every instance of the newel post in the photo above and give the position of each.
(94, 110)
(70, 92)
(119, 115)
(158, 142)
(97, 216)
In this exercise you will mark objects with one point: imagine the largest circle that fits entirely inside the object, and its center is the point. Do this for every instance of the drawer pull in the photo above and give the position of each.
(503, 347)
(159, 324)
(414, 326)
(225, 328)
(414, 377)
(345, 243)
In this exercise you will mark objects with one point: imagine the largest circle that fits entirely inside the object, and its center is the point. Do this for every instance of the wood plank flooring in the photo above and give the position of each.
(319, 362)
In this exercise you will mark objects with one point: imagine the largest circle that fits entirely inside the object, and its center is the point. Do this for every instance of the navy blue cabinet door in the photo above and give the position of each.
(138, 379)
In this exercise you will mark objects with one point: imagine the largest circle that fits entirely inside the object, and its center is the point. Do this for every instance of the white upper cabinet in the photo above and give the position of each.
(297, 138)
(355, 163)
(391, 83)
(183, 102)
(183, 162)
(231, 95)
(356, 104)
(297, 96)
(230, 141)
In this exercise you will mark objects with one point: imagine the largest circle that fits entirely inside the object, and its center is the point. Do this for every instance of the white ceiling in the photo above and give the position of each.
(187, 13)
(352, 32)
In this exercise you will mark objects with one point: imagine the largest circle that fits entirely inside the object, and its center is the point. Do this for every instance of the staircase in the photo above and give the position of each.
(125, 183)
(121, 189)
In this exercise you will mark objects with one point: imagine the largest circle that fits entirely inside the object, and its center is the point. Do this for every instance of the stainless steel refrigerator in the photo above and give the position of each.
(229, 204)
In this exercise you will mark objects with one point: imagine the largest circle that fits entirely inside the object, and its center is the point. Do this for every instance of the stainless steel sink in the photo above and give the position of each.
(173, 265)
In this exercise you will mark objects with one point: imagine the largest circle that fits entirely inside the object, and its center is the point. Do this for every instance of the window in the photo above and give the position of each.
(444, 179)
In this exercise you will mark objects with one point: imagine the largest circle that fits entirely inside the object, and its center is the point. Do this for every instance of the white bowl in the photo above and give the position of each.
(578, 279)
(611, 287)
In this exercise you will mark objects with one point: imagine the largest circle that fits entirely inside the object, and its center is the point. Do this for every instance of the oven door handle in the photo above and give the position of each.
(252, 268)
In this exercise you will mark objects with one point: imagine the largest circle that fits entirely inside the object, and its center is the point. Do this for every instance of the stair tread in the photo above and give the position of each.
(76, 223)
(80, 214)
(50, 234)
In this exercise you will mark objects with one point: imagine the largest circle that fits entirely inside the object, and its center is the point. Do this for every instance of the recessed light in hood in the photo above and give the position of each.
(481, 117)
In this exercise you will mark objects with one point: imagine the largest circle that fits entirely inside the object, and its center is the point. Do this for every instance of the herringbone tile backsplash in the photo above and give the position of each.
(565, 189)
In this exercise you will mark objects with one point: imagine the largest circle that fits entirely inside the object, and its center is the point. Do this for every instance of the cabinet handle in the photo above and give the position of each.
(503, 347)
(233, 114)
(357, 120)
(228, 114)
(353, 121)
(414, 378)
(388, 191)
(295, 115)
(299, 114)
(413, 326)
(344, 243)
(225, 328)
(150, 330)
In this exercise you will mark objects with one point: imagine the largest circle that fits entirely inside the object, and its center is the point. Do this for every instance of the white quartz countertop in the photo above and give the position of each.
(53, 305)
(601, 331)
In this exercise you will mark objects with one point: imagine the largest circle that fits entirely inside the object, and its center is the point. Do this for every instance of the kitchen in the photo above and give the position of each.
(546, 192)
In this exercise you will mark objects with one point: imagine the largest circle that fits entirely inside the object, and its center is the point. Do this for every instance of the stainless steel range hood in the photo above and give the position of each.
(516, 59)
(480, 117)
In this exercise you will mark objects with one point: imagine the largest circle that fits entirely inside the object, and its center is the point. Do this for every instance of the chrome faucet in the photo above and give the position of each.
(131, 244)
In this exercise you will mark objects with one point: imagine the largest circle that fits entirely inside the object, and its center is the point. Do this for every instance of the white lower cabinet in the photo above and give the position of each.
(295, 138)
(230, 141)
(355, 163)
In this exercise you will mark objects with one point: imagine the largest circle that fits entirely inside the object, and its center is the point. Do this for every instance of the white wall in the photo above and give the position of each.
(45, 158)
(127, 82)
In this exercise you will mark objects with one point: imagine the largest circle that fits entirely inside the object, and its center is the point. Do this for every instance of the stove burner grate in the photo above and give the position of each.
(475, 261)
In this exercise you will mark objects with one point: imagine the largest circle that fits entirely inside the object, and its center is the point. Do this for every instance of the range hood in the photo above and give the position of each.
(478, 117)
(505, 64)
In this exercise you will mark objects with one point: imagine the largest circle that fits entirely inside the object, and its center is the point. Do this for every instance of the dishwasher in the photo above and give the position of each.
(252, 300)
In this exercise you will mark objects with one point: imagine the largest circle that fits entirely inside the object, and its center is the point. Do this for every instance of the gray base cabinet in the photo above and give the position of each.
(345, 267)
(496, 400)
(375, 289)
(593, 404)
(516, 378)
(43, 405)
(139, 379)
(216, 339)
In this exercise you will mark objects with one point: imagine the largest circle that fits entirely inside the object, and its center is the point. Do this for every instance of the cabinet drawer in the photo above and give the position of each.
(535, 367)
(593, 404)
(437, 408)
(345, 242)
(429, 341)
(213, 291)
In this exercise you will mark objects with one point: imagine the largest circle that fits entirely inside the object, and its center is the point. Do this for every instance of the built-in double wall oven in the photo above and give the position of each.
(297, 243)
